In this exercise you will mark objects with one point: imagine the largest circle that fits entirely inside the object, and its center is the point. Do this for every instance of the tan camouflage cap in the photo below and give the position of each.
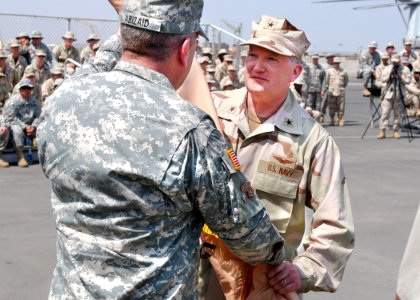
(3, 54)
(40, 52)
(92, 37)
(395, 58)
(57, 71)
(14, 43)
(2, 74)
(278, 35)
(384, 55)
(69, 35)
(166, 16)
(416, 68)
(22, 35)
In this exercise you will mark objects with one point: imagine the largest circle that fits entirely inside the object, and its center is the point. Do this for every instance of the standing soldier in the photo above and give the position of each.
(370, 58)
(168, 174)
(40, 67)
(22, 113)
(66, 50)
(16, 61)
(325, 98)
(336, 81)
(395, 77)
(316, 80)
(222, 68)
(87, 52)
(37, 44)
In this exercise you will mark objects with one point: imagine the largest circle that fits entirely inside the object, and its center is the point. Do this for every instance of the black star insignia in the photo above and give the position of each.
(271, 24)
(289, 122)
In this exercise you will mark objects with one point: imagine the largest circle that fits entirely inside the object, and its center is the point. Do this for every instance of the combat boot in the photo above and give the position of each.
(332, 123)
(341, 122)
(22, 163)
(381, 134)
(3, 164)
(321, 118)
(396, 135)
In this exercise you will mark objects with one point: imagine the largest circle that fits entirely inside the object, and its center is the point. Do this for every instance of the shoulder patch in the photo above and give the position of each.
(233, 158)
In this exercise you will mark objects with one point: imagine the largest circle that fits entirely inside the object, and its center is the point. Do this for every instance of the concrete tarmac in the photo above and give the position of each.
(383, 185)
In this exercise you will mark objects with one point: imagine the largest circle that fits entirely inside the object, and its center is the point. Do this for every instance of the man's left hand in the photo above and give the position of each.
(284, 278)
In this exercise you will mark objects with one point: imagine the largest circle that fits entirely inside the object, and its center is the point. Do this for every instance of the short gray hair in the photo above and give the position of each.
(154, 45)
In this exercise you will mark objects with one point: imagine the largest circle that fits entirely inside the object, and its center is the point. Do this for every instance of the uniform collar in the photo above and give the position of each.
(288, 118)
(144, 73)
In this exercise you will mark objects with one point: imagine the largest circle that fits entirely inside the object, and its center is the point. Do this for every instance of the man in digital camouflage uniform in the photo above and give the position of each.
(37, 44)
(136, 170)
(291, 160)
(21, 114)
(316, 80)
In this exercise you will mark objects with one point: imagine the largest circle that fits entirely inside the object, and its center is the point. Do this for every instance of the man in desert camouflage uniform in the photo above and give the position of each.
(291, 160)
(48, 86)
(136, 170)
(6, 69)
(4, 138)
(16, 61)
(413, 91)
(22, 113)
(408, 51)
(316, 79)
(395, 77)
(87, 52)
(40, 67)
(37, 44)
(66, 50)
(336, 81)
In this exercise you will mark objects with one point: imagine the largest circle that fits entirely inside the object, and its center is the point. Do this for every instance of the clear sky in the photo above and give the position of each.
(329, 27)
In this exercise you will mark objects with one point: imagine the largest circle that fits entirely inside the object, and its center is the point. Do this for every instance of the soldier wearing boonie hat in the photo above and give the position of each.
(221, 69)
(271, 133)
(336, 80)
(144, 147)
(39, 66)
(66, 50)
(386, 59)
(6, 69)
(394, 77)
(16, 61)
(315, 81)
(37, 44)
(88, 51)
(48, 85)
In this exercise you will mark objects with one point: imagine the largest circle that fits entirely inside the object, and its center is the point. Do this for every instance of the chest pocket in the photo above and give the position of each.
(277, 186)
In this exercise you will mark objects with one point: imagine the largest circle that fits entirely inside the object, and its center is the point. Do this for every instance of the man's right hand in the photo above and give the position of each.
(3, 131)
(117, 4)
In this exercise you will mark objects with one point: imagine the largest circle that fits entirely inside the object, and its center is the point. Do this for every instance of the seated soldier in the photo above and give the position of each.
(21, 114)
(413, 94)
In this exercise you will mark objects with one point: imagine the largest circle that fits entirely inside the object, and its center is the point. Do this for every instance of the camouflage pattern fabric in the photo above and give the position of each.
(41, 74)
(3, 138)
(136, 171)
(18, 66)
(292, 163)
(20, 113)
(60, 54)
(42, 46)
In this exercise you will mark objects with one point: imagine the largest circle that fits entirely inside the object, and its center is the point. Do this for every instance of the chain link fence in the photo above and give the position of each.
(53, 28)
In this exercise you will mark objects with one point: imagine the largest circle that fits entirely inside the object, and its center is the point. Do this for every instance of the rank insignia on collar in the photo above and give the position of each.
(288, 122)
(247, 191)
(233, 158)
